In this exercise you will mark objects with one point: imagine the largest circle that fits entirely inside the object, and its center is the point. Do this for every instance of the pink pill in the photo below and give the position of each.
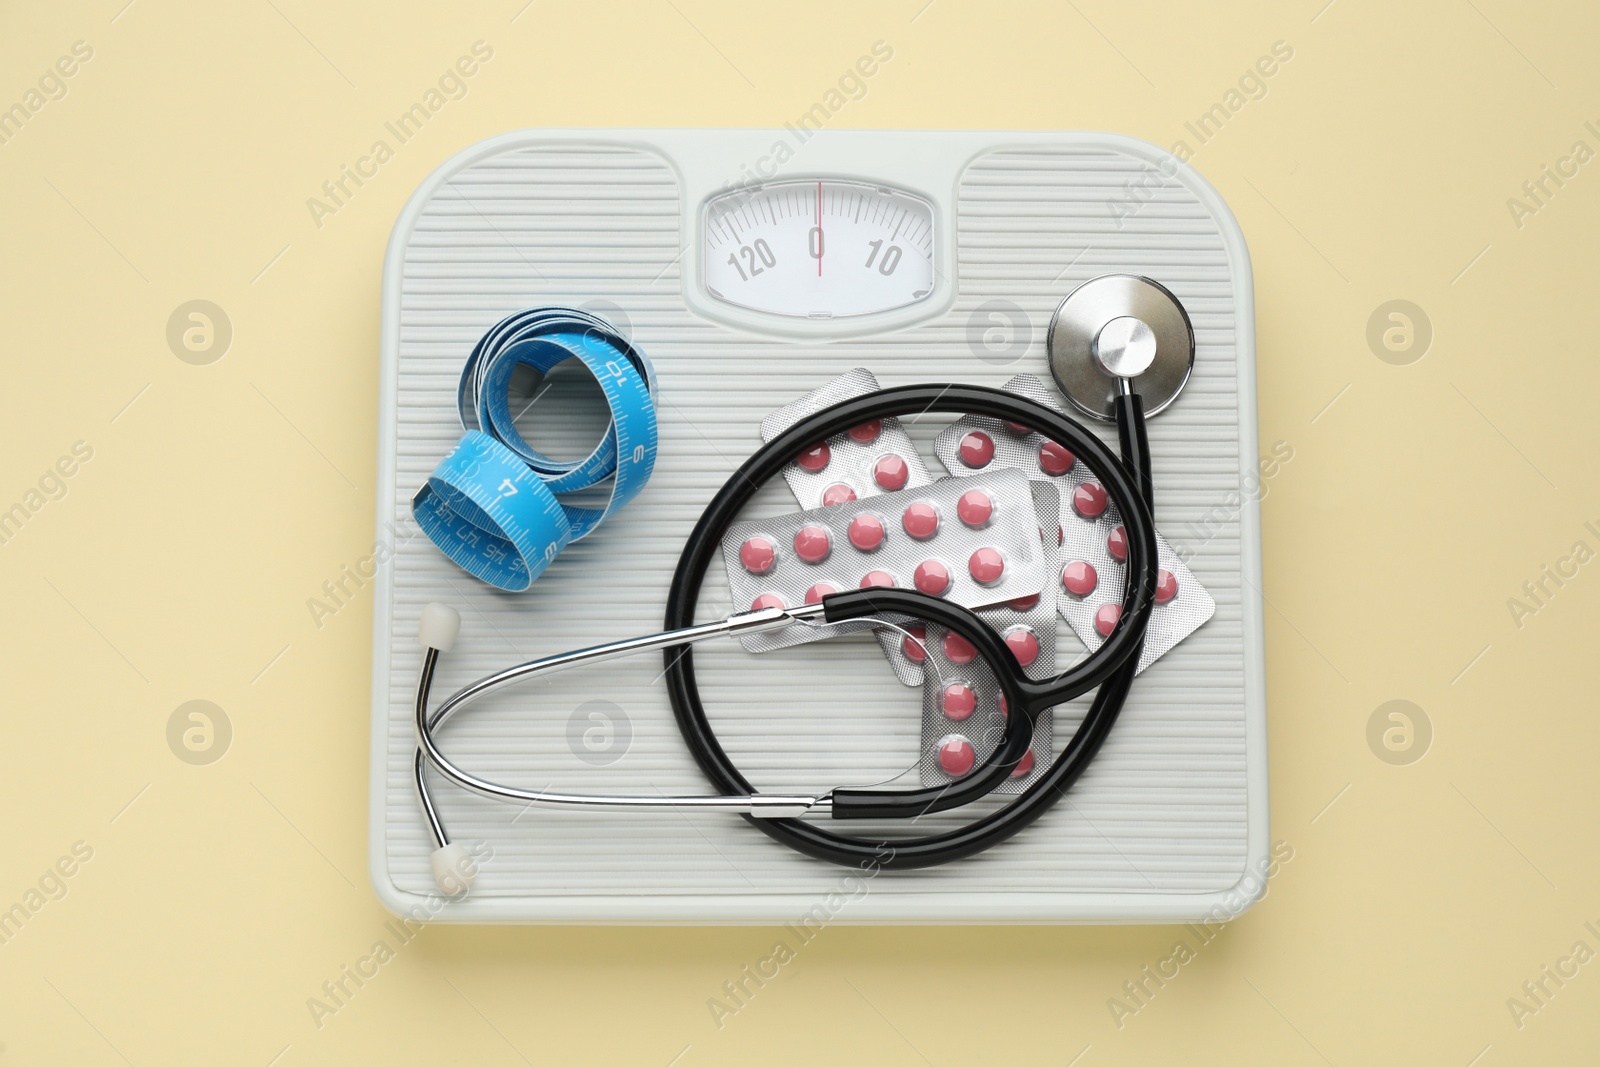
(956, 755)
(914, 643)
(986, 566)
(921, 520)
(812, 544)
(932, 577)
(1005, 712)
(1089, 500)
(1018, 429)
(1024, 603)
(1117, 544)
(1079, 578)
(891, 472)
(1024, 645)
(959, 701)
(1054, 459)
(766, 600)
(815, 594)
(1105, 620)
(867, 432)
(958, 649)
(976, 449)
(1166, 586)
(1024, 765)
(974, 508)
(877, 580)
(837, 493)
(757, 555)
(815, 458)
(866, 532)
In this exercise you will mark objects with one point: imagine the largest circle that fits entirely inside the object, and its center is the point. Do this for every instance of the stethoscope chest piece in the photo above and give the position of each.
(1120, 326)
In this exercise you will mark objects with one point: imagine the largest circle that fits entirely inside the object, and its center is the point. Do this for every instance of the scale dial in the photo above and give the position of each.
(818, 249)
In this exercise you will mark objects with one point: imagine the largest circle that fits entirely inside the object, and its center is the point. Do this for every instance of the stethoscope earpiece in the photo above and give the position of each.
(439, 626)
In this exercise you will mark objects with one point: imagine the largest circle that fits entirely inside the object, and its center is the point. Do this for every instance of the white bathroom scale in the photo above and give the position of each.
(675, 237)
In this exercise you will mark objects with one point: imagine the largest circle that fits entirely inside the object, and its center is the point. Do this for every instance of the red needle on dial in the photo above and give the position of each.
(819, 229)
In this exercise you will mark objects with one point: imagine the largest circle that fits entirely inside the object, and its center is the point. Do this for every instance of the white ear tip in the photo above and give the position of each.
(439, 626)
(454, 869)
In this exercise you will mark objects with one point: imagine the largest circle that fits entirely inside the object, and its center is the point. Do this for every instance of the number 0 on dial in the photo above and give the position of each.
(819, 249)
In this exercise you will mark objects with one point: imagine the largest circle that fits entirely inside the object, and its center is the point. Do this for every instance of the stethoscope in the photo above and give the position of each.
(1121, 348)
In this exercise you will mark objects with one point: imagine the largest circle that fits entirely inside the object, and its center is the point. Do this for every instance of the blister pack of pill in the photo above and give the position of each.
(1092, 578)
(972, 540)
(875, 457)
(962, 712)
(1093, 543)
(976, 442)
(862, 462)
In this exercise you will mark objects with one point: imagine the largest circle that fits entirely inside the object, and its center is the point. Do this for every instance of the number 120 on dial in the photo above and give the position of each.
(819, 249)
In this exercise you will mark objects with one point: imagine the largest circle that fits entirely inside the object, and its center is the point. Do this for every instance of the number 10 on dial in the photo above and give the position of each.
(819, 249)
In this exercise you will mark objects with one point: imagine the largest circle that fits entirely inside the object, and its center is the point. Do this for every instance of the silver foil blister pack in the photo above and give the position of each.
(849, 472)
(960, 697)
(1092, 579)
(974, 541)
(1090, 574)
(875, 457)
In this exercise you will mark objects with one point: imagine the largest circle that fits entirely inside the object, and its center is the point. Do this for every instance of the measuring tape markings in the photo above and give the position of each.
(492, 504)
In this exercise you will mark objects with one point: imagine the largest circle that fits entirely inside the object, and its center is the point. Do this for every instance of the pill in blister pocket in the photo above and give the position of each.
(986, 566)
(815, 458)
(1089, 500)
(872, 579)
(956, 755)
(815, 594)
(812, 544)
(974, 508)
(921, 520)
(932, 577)
(1024, 603)
(1024, 766)
(1105, 620)
(867, 432)
(958, 649)
(891, 472)
(866, 532)
(977, 449)
(1166, 586)
(1117, 544)
(959, 701)
(837, 493)
(914, 644)
(1054, 459)
(766, 600)
(757, 555)
(1079, 578)
(1023, 643)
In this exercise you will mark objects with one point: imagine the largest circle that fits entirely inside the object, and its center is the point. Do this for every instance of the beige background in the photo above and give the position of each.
(219, 898)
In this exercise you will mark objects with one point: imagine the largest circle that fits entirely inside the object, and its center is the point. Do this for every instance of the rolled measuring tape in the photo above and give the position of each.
(493, 504)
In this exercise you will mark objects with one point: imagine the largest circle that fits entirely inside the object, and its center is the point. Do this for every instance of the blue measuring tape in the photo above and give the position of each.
(492, 505)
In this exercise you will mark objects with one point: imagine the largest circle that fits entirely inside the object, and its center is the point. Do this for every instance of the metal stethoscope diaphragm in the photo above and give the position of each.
(1120, 347)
